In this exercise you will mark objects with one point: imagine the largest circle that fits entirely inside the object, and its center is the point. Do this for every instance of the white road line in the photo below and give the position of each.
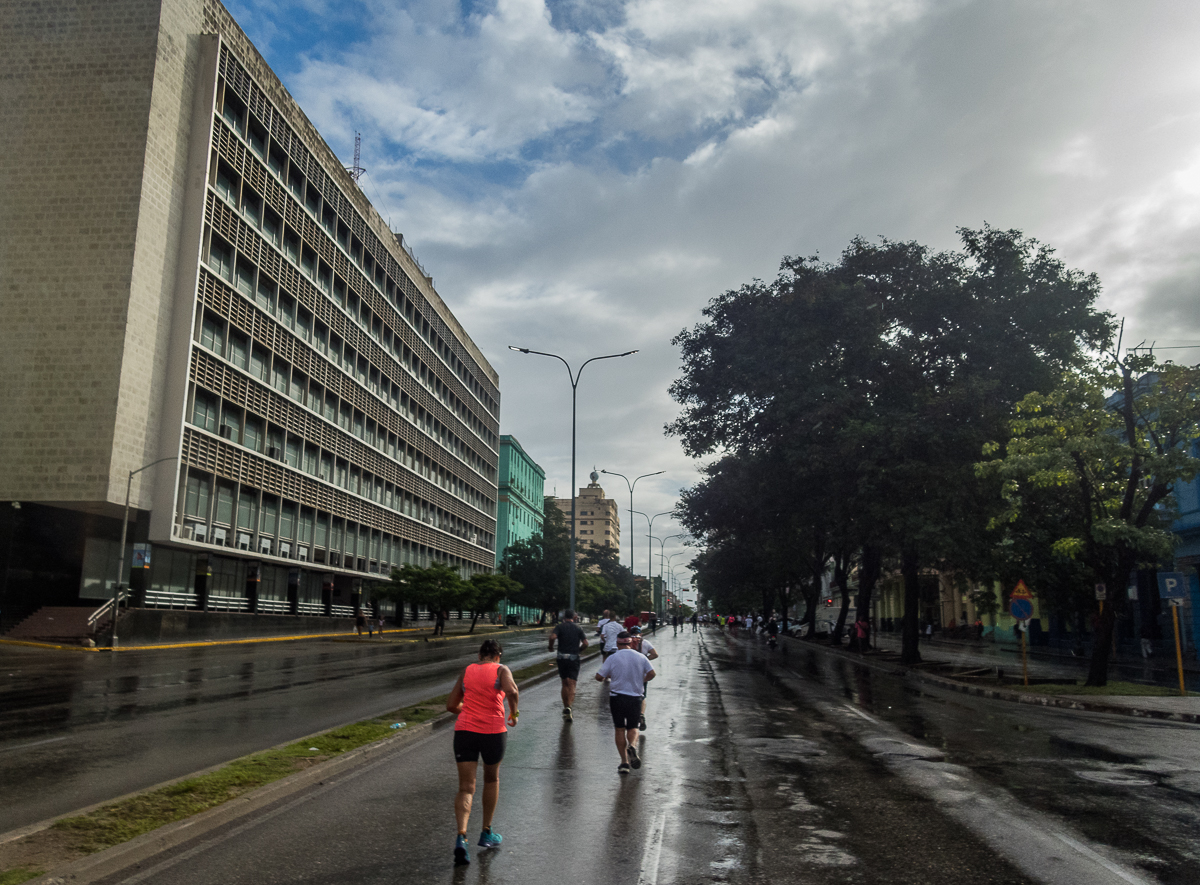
(35, 744)
(858, 712)
(648, 874)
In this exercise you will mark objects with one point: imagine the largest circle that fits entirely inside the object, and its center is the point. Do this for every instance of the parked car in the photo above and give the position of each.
(512, 621)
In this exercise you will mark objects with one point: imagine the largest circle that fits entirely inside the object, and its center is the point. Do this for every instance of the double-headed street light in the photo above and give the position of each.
(574, 376)
(650, 546)
(661, 547)
(631, 510)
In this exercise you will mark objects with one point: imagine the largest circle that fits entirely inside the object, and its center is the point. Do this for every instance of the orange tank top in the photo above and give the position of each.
(483, 700)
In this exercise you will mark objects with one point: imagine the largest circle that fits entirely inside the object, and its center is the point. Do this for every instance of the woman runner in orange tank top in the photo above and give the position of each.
(477, 699)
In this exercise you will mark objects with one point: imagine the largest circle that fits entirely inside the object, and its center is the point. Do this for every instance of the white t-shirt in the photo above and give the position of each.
(627, 669)
(609, 633)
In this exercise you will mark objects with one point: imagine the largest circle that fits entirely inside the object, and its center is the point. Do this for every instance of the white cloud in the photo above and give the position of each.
(587, 191)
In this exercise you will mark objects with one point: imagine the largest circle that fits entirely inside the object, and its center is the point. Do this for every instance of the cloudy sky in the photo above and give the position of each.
(582, 176)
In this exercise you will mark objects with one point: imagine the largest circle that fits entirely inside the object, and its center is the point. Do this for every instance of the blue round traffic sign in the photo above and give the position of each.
(1021, 609)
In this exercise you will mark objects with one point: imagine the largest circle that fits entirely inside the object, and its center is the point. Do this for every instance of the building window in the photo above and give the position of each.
(204, 411)
(247, 514)
(238, 349)
(196, 499)
(260, 360)
(224, 504)
(270, 515)
(212, 334)
(220, 259)
(253, 437)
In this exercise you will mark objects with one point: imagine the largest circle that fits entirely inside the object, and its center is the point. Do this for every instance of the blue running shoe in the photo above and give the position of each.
(488, 839)
(462, 857)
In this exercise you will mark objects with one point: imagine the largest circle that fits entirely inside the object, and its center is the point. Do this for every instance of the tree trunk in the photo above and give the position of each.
(840, 578)
(474, 618)
(809, 593)
(910, 635)
(868, 577)
(1102, 640)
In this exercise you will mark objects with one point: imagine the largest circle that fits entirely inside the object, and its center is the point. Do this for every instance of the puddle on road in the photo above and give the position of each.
(1117, 778)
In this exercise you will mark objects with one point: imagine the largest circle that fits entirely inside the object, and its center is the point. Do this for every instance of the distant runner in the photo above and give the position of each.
(571, 641)
(642, 645)
(477, 699)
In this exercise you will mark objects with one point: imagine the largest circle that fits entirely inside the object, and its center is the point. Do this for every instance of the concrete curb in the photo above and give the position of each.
(997, 694)
(111, 861)
(211, 643)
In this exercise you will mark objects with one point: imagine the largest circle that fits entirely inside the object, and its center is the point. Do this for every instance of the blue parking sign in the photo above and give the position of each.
(1172, 585)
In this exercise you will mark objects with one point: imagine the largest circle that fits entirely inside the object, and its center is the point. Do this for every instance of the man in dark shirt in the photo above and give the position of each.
(571, 641)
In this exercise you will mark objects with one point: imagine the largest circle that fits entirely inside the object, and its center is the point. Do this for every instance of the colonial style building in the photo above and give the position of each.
(191, 277)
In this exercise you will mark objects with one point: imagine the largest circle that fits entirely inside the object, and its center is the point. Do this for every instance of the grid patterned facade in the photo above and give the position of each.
(225, 298)
(332, 417)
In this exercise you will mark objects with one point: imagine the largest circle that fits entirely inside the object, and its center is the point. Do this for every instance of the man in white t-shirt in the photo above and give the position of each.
(608, 636)
(629, 671)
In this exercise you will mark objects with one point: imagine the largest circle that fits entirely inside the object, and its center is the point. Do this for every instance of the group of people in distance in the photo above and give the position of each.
(481, 692)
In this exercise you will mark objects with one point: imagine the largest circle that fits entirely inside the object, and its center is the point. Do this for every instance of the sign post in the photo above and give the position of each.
(1172, 586)
(1101, 595)
(1020, 606)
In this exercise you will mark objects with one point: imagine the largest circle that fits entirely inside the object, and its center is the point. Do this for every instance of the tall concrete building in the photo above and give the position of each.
(189, 275)
(597, 518)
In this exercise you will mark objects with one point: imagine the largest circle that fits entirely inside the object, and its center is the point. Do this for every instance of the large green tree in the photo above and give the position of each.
(487, 592)
(886, 372)
(1089, 469)
(438, 587)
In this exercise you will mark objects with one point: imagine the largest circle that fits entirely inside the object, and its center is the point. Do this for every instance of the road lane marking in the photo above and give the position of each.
(35, 744)
(648, 874)
(858, 712)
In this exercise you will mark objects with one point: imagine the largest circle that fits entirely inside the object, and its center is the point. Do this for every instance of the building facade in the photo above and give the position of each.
(597, 518)
(192, 278)
(521, 498)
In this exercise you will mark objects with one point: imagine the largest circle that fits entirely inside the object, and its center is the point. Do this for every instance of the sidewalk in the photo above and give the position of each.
(1175, 709)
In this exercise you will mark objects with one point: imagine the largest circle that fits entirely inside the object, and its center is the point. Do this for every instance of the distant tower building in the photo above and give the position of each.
(522, 496)
(597, 518)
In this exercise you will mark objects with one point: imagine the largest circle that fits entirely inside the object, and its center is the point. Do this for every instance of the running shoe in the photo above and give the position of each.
(567, 717)
(488, 839)
(642, 724)
(623, 768)
(462, 857)
(634, 759)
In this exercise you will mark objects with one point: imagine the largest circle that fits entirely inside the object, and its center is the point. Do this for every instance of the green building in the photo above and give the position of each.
(519, 506)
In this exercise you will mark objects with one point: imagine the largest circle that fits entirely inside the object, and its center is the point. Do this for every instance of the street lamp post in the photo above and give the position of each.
(574, 376)
(650, 545)
(661, 547)
(631, 485)
(124, 530)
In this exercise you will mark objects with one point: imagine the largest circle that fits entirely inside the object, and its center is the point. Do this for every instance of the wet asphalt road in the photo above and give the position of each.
(77, 729)
(796, 766)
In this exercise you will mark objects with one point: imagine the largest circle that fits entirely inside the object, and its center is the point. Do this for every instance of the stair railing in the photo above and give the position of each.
(99, 614)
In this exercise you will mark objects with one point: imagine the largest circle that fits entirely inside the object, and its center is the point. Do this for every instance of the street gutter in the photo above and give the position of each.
(110, 861)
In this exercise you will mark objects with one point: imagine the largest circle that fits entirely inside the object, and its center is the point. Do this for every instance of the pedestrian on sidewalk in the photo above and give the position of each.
(695, 620)
(862, 631)
(477, 699)
(379, 624)
(360, 620)
(629, 672)
(571, 641)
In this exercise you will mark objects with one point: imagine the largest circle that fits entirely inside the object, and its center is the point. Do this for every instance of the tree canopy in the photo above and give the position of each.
(866, 390)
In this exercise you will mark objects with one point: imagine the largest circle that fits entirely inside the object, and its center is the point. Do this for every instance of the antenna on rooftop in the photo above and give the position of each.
(357, 170)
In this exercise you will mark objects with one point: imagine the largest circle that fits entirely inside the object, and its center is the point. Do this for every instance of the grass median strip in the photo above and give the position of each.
(74, 837)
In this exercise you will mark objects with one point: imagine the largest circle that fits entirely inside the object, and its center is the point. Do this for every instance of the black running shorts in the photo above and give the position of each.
(626, 710)
(470, 745)
(568, 669)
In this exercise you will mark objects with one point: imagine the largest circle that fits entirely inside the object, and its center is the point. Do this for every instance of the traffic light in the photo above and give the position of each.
(828, 601)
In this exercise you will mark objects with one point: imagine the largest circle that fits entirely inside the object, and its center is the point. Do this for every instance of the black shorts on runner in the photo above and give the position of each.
(470, 745)
(605, 654)
(626, 710)
(568, 669)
